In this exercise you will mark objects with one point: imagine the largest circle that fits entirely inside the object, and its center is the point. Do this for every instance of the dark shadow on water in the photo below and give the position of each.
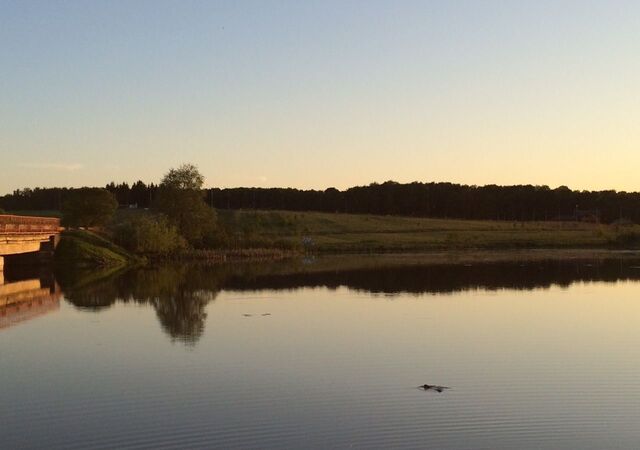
(180, 293)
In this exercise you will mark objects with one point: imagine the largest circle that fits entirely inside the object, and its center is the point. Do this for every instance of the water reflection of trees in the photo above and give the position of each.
(180, 293)
(448, 277)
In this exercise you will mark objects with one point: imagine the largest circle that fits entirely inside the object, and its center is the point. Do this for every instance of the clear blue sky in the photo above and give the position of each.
(317, 94)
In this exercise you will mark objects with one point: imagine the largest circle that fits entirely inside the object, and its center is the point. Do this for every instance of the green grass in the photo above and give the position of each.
(86, 249)
(368, 233)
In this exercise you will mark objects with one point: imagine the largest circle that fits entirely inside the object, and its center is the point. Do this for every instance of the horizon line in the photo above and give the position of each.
(344, 189)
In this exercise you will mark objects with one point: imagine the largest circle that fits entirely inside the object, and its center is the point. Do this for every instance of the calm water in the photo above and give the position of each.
(325, 354)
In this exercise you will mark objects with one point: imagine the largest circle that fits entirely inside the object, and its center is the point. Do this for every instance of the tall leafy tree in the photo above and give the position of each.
(88, 207)
(186, 177)
(181, 199)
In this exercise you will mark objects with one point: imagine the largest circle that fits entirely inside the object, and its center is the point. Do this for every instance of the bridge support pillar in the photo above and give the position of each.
(1, 270)
(45, 254)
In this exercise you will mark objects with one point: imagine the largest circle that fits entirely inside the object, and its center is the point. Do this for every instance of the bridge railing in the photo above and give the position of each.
(10, 224)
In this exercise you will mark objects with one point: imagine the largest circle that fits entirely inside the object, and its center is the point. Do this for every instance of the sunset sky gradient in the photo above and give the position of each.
(319, 94)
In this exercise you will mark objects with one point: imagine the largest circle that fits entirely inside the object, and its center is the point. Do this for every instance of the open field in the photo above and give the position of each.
(328, 232)
(352, 233)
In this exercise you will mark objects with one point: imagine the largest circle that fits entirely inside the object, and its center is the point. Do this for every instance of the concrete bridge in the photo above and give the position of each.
(24, 234)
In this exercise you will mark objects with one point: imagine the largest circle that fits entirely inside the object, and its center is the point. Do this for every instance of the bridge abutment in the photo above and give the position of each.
(25, 235)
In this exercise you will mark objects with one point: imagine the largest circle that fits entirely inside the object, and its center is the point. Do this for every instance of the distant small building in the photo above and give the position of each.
(587, 215)
(581, 215)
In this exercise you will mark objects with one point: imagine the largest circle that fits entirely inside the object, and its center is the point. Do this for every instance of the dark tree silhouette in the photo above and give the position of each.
(88, 207)
(437, 200)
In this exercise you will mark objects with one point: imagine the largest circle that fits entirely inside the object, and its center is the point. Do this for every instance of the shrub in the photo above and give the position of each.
(150, 235)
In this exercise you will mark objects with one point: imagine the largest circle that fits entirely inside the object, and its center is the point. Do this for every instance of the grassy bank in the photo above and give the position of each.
(347, 233)
(81, 248)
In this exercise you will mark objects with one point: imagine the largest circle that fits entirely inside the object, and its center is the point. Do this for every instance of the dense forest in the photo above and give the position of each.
(441, 200)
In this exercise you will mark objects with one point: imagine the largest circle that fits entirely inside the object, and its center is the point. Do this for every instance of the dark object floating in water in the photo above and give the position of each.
(266, 314)
(247, 315)
(251, 315)
(433, 387)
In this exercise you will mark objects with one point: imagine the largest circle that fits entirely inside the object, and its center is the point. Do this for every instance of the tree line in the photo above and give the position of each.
(437, 200)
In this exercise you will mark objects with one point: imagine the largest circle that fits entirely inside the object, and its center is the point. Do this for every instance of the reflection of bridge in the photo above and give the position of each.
(22, 234)
(24, 300)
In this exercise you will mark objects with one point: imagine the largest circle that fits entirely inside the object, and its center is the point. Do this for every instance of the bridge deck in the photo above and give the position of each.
(20, 225)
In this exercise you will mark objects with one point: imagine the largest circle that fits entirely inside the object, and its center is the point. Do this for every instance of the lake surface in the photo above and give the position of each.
(325, 353)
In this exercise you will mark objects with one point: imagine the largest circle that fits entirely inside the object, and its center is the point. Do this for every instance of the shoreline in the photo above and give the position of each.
(449, 256)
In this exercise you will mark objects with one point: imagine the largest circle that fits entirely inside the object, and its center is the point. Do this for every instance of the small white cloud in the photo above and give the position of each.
(65, 167)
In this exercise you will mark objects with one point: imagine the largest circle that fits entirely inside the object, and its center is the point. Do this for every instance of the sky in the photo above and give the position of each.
(320, 93)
